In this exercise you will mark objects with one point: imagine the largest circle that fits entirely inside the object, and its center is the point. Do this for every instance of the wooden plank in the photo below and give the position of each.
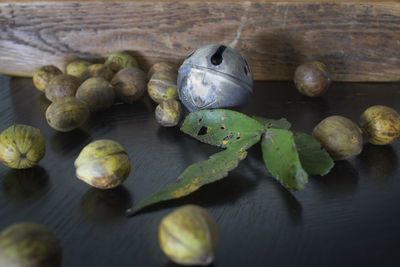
(358, 40)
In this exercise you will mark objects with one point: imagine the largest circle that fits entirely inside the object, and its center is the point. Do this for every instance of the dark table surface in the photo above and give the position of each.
(351, 217)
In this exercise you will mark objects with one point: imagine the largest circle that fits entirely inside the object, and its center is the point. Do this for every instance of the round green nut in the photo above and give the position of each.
(61, 86)
(168, 113)
(189, 236)
(162, 86)
(77, 68)
(97, 92)
(42, 76)
(312, 79)
(21, 146)
(66, 114)
(120, 60)
(98, 70)
(341, 137)
(380, 124)
(29, 244)
(129, 84)
(103, 164)
(161, 66)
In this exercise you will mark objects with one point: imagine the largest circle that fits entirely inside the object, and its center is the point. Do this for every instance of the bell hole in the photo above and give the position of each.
(191, 54)
(246, 69)
(217, 58)
(203, 130)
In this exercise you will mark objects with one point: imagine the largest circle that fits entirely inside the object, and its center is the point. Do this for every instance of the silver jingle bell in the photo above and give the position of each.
(214, 76)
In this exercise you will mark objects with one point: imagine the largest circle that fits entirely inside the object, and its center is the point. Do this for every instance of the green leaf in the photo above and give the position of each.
(282, 160)
(271, 123)
(199, 174)
(221, 127)
(314, 159)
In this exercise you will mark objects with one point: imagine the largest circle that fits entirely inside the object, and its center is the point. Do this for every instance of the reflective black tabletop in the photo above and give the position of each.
(350, 217)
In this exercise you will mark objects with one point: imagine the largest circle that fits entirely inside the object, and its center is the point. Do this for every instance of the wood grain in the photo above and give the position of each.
(358, 40)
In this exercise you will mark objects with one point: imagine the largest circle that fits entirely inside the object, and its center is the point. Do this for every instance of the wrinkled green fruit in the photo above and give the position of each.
(21, 146)
(129, 84)
(161, 66)
(29, 244)
(42, 76)
(168, 113)
(98, 70)
(61, 86)
(380, 124)
(77, 69)
(341, 137)
(162, 86)
(189, 236)
(97, 93)
(103, 164)
(67, 114)
(120, 60)
(312, 79)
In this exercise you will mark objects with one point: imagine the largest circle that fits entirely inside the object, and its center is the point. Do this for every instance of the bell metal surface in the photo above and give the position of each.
(214, 76)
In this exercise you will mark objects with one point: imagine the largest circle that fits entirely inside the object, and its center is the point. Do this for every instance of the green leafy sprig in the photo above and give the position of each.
(290, 157)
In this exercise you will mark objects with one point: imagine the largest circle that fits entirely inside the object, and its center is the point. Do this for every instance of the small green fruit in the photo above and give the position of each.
(103, 164)
(161, 66)
(42, 76)
(162, 86)
(67, 114)
(98, 70)
(97, 92)
(380, 124)
(189, 236)
(77, 68)
(61, 86)
(129, 84)
(341, 137)
(168, 113)
(21, 146)
(312, 79)
(29, 244)
(120, 60)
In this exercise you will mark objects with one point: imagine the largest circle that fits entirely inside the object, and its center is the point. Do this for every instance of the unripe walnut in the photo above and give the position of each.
(162, 86)
(61, 86)
(129, 84)
(42, 76)
(98, 70)
(77, 68)
(161, 66)
(97, 92)
(168, 113)
(312, 78)
(120, 60)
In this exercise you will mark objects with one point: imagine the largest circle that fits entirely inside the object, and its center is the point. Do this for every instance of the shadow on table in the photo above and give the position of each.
(378, 161)
(63, 143)
(25, 186)
(105, 205)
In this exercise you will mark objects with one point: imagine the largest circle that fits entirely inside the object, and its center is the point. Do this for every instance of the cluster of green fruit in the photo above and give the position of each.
(340, 136)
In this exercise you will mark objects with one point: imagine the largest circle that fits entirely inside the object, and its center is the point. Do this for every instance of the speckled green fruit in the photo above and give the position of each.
(42, 76)
(67, 114)
(129, 84)
(161, 66)
(162, 86)
(380, 124)
(21, 146)
(340, 136)
(98, 70)
(77, 68)
(61, 86)
(103, 164)
(29, 244)
(189, 236)
(312, 79)
(120, 60)
(97, 93)
(168, 113)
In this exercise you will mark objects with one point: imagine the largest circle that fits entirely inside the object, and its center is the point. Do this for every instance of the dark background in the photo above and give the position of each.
(351, 217)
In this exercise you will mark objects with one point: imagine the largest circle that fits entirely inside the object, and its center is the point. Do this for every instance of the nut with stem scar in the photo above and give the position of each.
(189, 236)
(42, 76)
(120, 60)
(103, 164)
(21, 146)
